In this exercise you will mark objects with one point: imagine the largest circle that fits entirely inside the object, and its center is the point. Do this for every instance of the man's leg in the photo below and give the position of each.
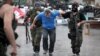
(79, 40)
(45, 40)
(37, 39)
(33, 33)
(52, 34)
(73, 40)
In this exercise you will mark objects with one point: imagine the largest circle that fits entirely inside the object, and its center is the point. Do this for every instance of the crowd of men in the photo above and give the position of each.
(42, 22)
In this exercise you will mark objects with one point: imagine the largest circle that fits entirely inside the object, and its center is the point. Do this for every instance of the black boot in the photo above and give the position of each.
(73, 50)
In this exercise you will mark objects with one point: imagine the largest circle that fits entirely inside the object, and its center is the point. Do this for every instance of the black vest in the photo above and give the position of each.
(3, 37)
(74, 19)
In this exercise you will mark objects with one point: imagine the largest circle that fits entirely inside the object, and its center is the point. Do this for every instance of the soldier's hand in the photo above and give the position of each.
(32, 26)
(78, 24)
(13, 54)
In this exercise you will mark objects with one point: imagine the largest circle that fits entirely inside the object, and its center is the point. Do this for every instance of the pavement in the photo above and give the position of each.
(90, 46)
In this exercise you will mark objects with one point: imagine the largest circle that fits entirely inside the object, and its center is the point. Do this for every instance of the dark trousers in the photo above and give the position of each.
(76, 40)
(52, 36)
(3, 49)
(36, 38)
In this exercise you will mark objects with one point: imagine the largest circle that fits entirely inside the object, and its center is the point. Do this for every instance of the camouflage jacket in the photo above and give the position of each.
(32, 13)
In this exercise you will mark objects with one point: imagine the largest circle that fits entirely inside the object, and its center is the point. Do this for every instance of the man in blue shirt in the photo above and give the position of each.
(48, 24)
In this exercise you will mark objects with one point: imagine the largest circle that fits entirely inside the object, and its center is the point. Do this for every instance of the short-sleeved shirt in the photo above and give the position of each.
(48, 22)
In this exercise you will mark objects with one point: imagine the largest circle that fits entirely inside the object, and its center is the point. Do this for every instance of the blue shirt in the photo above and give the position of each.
(48, 22)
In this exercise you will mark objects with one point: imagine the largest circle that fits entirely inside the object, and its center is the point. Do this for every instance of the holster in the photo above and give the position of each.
(71, 35)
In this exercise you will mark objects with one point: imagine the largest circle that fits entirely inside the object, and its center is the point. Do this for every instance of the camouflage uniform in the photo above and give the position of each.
(75, 32)
(36, 32)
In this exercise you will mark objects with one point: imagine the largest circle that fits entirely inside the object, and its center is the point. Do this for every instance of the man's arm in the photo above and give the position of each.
(28, 15)
(37, 17)
(34, 21)
(8, 17)
(66, 15)
(82, 17)
(62, 12)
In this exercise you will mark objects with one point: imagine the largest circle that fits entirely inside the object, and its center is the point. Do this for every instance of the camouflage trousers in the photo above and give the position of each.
(76, 41)
(3, 49)
(36, 38)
